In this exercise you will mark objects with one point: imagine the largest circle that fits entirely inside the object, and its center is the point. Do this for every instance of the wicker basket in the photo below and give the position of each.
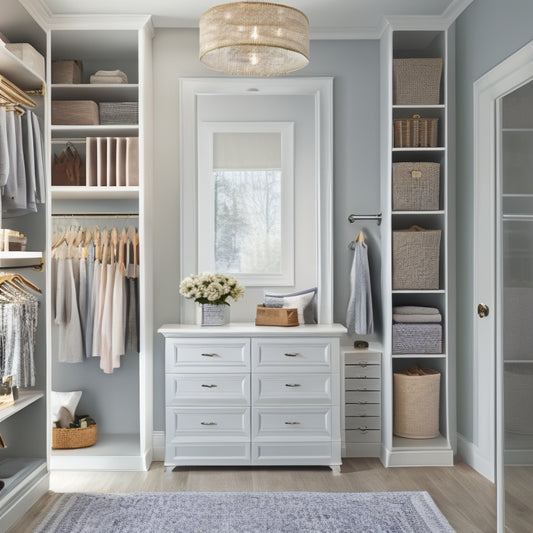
(276, 316)
(119, 113)
(416, 338)
(416, 404)
(67, 71)
(75, 112)
(415, 258)
(63, 439)
(415, 186)
(415, 132)
(416, 81)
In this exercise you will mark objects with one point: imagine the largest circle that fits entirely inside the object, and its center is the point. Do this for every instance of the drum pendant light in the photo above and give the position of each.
(254, 39)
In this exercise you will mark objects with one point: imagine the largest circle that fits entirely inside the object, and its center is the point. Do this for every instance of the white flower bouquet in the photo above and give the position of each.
(210, 288)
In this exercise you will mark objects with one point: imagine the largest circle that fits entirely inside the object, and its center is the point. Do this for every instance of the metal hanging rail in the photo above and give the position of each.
(353, 218)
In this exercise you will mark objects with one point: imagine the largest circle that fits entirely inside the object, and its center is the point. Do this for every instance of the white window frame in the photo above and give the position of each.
(206, 207)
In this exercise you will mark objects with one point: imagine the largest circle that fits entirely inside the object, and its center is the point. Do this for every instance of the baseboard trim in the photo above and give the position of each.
(470, 454)
(158, 445)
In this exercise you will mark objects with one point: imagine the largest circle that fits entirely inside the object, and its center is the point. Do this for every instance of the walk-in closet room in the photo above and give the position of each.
(266, 267)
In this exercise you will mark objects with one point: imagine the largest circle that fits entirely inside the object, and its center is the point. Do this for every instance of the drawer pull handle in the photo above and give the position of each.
(209, 355)
(292, 423)
(292, 385)
(208, 423)
(208, 386)
(362, 428)
(291, 354)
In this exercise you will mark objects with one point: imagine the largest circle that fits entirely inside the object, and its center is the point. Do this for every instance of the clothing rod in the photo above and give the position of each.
(353, 218)
(517, 217)
(95, 215)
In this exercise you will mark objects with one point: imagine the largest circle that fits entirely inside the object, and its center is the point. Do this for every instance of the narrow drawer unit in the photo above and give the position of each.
(363, 423)
(213, 389)
(200, 355)
(363, 435)
(362, 384)
(362, 409)
(362, 397)
(268, 389)
(208, 423)
(303, 355)
(298, 422)
(362, 372)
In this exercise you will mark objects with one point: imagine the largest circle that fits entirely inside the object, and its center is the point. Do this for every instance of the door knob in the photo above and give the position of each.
(482, 310)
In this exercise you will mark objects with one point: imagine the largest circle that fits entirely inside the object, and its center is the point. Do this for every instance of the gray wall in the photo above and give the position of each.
(355, 67)
(486, 33)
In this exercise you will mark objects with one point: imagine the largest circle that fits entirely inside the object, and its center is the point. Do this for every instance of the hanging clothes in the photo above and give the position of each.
(359, 315)
(18, 327)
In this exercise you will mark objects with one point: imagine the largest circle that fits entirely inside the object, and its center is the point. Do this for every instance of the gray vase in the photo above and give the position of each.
(214, 315)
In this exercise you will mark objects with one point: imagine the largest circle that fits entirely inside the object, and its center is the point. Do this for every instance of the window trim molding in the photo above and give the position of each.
(206, 219)
(321, 88)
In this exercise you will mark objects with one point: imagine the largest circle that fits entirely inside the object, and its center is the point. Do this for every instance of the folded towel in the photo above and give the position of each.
(112, 73)
(107, 79)
(415, 310)
(417, 319)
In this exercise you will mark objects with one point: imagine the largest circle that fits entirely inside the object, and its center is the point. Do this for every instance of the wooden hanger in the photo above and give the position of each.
(360, 237)
(15, 279)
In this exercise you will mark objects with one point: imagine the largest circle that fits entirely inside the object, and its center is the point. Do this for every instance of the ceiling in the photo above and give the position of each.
(327, 18)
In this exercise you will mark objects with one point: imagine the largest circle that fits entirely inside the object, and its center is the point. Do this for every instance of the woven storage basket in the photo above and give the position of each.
(415, 258)
(415, 132)
(75, 112)
(63, 439)
(416, 338)
(416, 405)
(119, 112)
(276, 316)
(416, 81)
(415, 186)
(67, 71)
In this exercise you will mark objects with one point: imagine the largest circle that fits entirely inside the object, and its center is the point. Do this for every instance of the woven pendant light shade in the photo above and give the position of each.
(254, 39)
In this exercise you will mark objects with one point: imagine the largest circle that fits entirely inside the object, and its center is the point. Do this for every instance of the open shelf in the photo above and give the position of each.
(99, 92)
(20, 259)
(94, 193)
(25, 398)
(111, 452)
(107, 130)
(437, 443)
(17, 71)
(18, 473)
(419, 355)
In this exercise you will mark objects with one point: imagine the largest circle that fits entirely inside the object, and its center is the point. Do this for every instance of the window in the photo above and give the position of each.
(245, 191)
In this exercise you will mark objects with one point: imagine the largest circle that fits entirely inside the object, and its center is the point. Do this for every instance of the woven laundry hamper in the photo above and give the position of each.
(415, 186)
(416, 338)
(75, 112)
(415, 258)
(416, 81)
(416, 403)
(415, 132)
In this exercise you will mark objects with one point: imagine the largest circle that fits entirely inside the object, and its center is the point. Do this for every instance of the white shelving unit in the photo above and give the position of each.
(24, 461)
(404, 43)
(125, 420)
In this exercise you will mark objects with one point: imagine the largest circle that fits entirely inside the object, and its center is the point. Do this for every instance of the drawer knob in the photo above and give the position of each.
(208, 386)
(208, 423)
(292, 385)
(209, 355)
(291, 354)
(292, 423)
(363, 428)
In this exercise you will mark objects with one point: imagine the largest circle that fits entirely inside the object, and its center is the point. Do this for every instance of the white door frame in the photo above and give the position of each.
(512, 73)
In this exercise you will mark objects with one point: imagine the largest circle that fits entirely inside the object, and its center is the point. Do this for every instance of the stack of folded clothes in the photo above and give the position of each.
(416, 329)
(108, 76)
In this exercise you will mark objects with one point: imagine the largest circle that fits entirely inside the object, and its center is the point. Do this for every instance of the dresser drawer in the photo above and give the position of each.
(293, 422)
(213, 423)
(362, 409)
(291, 453)
(362, 384)
(207, 453)
(362, 397)
(361, 357)
(303, 355)
(300, 388)
(358, 435)
(368, 371)
(213, 389)
(363, 422)
(200, 355)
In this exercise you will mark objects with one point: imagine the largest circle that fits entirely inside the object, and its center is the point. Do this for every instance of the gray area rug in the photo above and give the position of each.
(232, 512)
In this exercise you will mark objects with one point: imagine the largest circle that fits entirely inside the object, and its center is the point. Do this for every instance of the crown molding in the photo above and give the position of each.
(98, 22)
(452, 12)
(39, 12)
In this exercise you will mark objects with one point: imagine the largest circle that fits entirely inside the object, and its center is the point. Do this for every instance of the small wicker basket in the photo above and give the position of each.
(276, 316)
(415, 186)
(416, 81)
(416, 403)
(415, 132)
(63, 439)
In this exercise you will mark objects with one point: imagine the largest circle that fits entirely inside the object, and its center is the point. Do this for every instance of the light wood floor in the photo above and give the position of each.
(467, 499)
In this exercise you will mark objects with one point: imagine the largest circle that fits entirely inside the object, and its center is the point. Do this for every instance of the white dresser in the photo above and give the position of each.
(253, 395)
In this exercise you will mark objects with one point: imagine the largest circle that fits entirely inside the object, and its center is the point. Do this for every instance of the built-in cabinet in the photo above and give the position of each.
(120, 402)
(24, 460)
(409, 43)
(249, 395)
